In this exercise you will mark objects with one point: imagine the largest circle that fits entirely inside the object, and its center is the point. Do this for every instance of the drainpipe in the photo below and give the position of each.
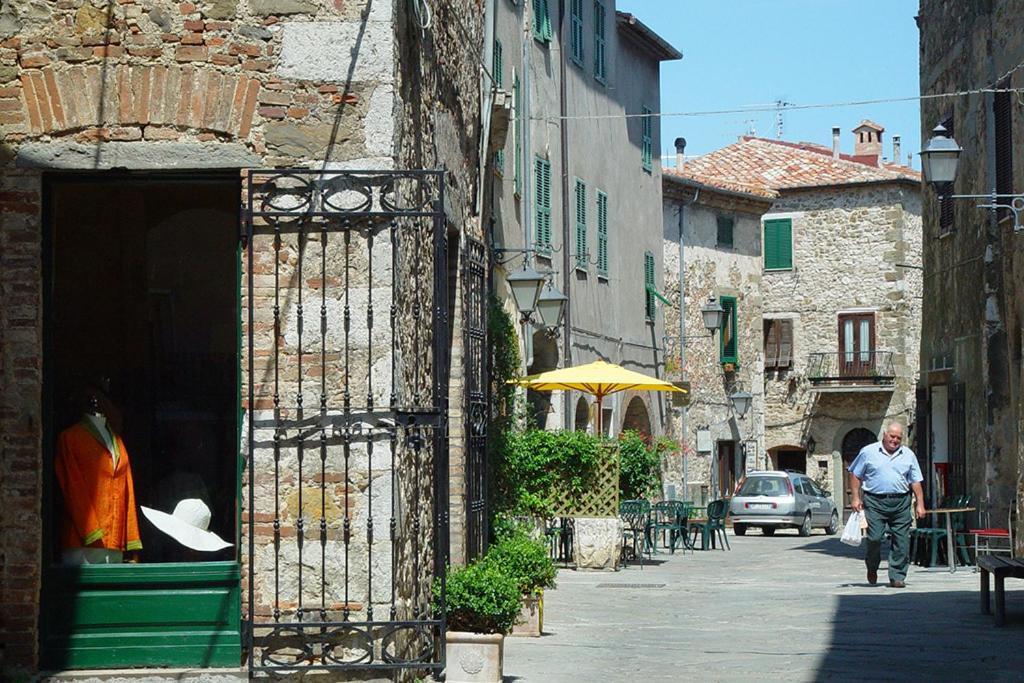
(526, 184)
(680, 149)
(563, 127)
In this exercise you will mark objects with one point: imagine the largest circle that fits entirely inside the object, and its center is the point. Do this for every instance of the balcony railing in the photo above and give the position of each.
(851, 369)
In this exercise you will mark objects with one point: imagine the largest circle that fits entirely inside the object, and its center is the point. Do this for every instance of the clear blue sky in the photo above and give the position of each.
(754, 52)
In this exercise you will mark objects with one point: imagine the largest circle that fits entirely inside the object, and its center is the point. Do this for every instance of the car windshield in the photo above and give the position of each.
(764, 486)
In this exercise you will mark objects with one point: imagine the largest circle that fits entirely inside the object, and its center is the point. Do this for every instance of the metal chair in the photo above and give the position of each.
(635, 515)
(713, 528)
(668, 516)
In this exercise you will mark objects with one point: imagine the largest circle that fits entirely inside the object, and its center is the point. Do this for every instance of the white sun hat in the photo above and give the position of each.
(188, 525)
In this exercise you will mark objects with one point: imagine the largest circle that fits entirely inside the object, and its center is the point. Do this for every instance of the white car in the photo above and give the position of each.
(779, 500)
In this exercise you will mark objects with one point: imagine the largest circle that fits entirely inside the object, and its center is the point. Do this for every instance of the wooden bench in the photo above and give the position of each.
(1001, 567)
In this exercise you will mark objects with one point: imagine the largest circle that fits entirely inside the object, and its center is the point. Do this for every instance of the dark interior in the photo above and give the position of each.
(145, 293)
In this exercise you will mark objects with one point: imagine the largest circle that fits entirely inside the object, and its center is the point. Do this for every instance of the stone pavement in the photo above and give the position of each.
(782, 608)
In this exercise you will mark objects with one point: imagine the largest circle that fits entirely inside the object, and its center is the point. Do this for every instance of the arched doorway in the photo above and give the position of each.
(582, 419)
(545, 357)
(636, 417)
(854, 440)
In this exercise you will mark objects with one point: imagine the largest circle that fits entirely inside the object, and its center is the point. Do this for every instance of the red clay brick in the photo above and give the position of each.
(273, 112)
(223, 60)
(156, 133)
(195, 25)
(145, 51)
(192, 39)
(245, 123)
(108, 51)
(34, 60)
(192, 53)
(55, 102)
(219, 26)
(186, 8)
(298, 112)
(256, 65)
(42, 100)
(12, 91)
(247, 49)
(142, 95)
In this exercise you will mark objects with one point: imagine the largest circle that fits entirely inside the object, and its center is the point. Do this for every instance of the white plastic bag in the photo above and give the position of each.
(852, 532)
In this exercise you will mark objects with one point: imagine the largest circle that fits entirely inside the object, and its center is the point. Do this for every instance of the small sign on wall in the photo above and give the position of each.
(703, 440)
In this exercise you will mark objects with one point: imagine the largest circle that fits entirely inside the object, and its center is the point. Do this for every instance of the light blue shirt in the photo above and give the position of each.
(881, 472)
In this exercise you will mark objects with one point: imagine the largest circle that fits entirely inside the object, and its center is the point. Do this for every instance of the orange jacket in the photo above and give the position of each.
(99, 499)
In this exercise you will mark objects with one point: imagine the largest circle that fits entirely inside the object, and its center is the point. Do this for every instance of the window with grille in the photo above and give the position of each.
(542, 199)
(646, 138)
(576, 28)
(602, 234)
(600, 70)
(649, 288)
(581, 224)
(778, 344)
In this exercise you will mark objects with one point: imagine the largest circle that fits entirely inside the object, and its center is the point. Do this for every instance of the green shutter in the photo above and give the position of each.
(727, 338)
(499, 67)
(542, 230)
(649, 285)
(600, 73)
(725, 231)
(576, 23)
(778, 244)
(517, 170)
(499, 162)
(581, 224)
(602, 234)
(541, 21)
(646, 138)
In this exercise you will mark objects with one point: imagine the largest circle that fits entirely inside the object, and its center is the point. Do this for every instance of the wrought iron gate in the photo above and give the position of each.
(346, 519)
(475, 365)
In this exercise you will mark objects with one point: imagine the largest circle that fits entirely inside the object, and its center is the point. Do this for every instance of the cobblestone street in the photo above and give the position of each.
(782, 608)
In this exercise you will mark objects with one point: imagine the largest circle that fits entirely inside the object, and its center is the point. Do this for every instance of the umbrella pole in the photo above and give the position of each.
(600, 417)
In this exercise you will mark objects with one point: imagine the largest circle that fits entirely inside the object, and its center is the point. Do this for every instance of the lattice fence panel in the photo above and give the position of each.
(601, 497)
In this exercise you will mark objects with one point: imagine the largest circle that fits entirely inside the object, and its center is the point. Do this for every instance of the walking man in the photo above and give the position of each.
(887, 471)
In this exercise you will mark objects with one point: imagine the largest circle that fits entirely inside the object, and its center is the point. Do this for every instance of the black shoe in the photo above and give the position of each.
(872, 576)
(897, 584)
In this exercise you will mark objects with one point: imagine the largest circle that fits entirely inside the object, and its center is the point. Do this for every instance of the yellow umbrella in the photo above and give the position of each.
(598, 378)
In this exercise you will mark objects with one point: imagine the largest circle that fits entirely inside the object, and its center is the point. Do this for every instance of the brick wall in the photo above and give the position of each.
(20, 418)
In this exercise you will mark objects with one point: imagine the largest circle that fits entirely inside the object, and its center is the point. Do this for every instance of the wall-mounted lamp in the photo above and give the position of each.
(740, 401)
(939, 161)
(712, 313)
(551, 308)
(526, 285)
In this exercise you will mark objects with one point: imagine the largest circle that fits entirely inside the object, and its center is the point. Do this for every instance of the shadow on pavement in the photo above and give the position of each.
(831, 545)
(886, 634)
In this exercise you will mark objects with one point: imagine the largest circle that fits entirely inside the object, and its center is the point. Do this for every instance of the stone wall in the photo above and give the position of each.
(854, 249)
(160, 85)
(973, 303)
(713, 271)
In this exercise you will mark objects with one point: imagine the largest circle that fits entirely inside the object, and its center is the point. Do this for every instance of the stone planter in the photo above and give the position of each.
(597, 543)
(531, 617)
(473, 657)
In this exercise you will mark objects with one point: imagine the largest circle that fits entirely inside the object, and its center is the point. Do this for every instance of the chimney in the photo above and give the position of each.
(896, 149)
(867, 141)
(835, 142)
(680, 148)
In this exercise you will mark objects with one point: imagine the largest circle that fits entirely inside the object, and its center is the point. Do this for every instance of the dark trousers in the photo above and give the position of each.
(895, 514)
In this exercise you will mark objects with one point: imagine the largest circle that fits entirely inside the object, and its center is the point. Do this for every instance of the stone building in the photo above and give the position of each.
(970, 359)
(840, 293)
(575, 186)
(277, 345)
(714, 229)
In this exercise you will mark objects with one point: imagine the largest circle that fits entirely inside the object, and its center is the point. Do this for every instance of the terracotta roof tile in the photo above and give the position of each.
(778, 165)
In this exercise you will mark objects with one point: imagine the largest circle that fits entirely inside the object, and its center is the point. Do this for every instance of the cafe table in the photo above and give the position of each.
(950, 538)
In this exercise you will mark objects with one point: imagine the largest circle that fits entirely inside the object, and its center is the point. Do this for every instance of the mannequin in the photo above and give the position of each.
(99, 524)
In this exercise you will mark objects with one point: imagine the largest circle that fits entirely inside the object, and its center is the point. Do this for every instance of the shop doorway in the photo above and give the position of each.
(141, 274)
(792, 460)
(729, 471)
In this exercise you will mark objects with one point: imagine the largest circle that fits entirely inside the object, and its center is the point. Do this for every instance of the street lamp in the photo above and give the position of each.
(939, 160)
(526, 286)
(740, 401)
(551, 308)
(712, 312)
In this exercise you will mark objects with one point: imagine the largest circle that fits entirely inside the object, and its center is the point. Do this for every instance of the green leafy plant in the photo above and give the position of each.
(505, 367)
(541, 467)
(639, 466)
(526, 560)
(480, 598)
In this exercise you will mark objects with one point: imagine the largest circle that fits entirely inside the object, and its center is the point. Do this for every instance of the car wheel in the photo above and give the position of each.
(739, 529)
(768, 530)
(805, 528)
(833, 524)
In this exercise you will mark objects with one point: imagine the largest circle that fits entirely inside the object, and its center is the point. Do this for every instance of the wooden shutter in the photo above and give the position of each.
(542, 231)
(517, 171)
(947, 213)
(541, 21)
(785, 334)
(778, 244)
(728, 344)
(600, 73)
(725, 231)
(1002, 105)
(576, 22)
(602, 234)
(581, 224)
(646, 138)
(649, 285)
(499, 67)
(771, 343)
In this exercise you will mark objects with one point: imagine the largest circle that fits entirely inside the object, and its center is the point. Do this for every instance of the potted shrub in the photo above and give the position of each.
(481, 606)
(526, 560)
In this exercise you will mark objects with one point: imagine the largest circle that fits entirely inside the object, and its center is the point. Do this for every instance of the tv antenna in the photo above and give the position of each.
(780, 105)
